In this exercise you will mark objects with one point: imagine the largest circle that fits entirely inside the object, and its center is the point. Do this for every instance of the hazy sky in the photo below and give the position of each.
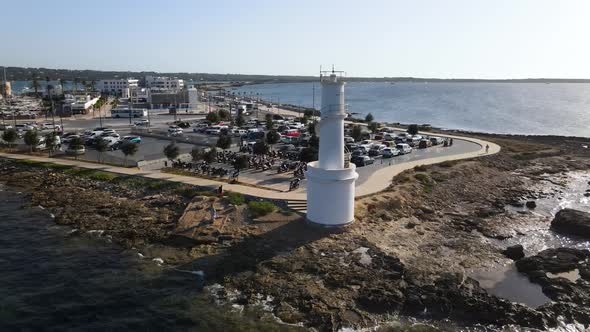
(420, 38)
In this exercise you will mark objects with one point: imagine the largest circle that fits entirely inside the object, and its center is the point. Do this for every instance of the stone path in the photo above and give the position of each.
(378, 181)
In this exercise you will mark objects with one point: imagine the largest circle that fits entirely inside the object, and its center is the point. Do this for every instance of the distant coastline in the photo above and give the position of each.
(23, 74)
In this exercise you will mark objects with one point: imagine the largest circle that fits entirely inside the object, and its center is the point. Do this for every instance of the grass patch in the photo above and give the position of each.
(235, 198)
(140, 182)
(448, 163)
(187, 192)
(425, 180)
(420, 168)
(261, 208)
(102, 176)
(91, 174)
(439, 177)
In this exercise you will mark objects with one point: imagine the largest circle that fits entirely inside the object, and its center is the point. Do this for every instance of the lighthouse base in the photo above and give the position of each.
(330, 195)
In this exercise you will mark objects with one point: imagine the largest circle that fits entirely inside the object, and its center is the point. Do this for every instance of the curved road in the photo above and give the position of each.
(368, 183)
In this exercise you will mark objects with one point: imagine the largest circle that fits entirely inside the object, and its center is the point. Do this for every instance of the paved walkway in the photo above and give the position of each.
(378, 181)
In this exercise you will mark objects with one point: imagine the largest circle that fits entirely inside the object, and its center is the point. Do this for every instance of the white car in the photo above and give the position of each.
(75, 151)
(404, 148)
(390, 152)
(23, 127)
(50, 126)
(240, 132)
(140, 123)
(174, 130)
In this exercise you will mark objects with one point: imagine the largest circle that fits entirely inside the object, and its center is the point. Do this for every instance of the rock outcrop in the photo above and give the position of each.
(515, 252)
(572, 222)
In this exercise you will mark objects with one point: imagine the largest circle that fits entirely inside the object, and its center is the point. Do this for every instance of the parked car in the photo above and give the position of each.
(200, 127)
(24, 127)
(376, 150)
(289, 140)
(390, 152)
(216, 130)
(174, 130)
(424, 143)
(75, 150)
(68, 138)
(413, 141)
(348, 140)
(105, 135)
(404, 148)
(437, 140)
(358, 153)
(116, 145)
(361, 161)
(132, 139)
(50, 126)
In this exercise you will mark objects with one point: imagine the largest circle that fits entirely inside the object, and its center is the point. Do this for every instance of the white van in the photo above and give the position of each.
(404, 148)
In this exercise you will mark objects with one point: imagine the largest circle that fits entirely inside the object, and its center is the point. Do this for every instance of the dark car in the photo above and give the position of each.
(358, 153)
(361, 161)
(117, 145)
(90, 141)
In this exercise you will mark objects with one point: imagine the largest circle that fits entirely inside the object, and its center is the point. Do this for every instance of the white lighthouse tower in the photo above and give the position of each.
(330, 180)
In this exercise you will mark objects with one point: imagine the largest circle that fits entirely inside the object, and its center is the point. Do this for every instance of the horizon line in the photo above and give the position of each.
(306, 76)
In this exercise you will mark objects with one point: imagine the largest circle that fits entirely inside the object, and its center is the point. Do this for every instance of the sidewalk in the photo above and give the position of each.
(378, 181)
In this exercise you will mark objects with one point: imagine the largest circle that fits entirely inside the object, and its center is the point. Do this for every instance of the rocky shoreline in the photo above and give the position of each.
(409, 251)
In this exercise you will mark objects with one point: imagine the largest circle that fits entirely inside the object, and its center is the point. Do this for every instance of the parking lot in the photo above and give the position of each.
(157, 137)
(273, 180)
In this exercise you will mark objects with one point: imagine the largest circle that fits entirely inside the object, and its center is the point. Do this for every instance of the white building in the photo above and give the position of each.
(193, 97)
(139, 95)
(117, 86)
(79, 104)
(161, 83)
(331, 179)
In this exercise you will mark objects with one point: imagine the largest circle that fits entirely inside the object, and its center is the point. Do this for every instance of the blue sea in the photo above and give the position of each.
(509, 108)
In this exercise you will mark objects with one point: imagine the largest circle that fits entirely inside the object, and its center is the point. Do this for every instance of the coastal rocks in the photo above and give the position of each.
(572, 222)
(459, 298)
(531, 204)
(563, 273)
(515, 252)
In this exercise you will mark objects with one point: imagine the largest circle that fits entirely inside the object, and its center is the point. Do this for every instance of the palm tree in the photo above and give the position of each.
(84, 85)
(35, 85)
(93, 84)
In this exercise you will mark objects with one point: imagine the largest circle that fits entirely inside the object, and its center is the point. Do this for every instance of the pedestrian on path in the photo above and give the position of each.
(487, 148)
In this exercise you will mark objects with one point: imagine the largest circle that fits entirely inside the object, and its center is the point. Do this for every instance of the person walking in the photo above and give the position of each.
(487, 148)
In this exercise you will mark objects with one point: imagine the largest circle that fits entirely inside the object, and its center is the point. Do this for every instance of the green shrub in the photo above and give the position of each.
(448, 163)
(102, 176)
(420, 168)
(439, 177)
(235, 198)
(424, 178)
(187, 191)
(261, 208)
